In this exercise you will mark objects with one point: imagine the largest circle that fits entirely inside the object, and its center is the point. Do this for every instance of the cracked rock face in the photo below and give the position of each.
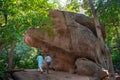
(75, 37)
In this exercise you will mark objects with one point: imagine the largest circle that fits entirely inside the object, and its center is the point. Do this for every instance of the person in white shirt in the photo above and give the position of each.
(48, 60)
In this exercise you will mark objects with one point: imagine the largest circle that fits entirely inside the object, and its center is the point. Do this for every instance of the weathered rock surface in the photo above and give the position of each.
(90, 68)
(75, 37)
(54, 75)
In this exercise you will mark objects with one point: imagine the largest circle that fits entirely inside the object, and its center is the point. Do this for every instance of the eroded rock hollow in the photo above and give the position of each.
(74, 41)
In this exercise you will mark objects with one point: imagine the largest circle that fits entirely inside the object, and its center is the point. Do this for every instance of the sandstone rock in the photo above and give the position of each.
(90, 68)
(54, 75)
(117, 78)
(75, 37)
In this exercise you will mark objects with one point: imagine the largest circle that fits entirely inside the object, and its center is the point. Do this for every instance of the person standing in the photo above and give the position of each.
(48, 60)
(40, 62)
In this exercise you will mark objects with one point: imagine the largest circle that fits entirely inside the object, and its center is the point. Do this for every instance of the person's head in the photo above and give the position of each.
(40, 54)
(47, 54)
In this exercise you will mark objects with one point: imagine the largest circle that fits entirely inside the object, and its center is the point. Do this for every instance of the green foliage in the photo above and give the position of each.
(115, 57)
(21, 15)
(2, 77)
(69, 5)
(16, 16)
(57, 4)
(72, 5)
(109, 14)
(3, 66)
(111, 17)
(24, 56)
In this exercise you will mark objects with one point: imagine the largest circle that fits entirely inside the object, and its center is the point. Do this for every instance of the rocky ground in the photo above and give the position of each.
(33, 74)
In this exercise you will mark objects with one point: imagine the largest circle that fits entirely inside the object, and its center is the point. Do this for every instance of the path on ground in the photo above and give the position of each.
(33, 74)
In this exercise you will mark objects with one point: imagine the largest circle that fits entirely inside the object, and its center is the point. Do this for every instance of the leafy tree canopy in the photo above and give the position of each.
(17, 15)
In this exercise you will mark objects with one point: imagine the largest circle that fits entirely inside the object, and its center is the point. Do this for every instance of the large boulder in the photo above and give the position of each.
(90, 68)
(74, 37)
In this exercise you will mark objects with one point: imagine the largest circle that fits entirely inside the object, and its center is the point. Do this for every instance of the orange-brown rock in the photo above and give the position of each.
(75, 37)
(90, 68)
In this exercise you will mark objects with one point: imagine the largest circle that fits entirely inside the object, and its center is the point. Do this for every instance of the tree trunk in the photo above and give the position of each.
(103, 48)
(10, 56)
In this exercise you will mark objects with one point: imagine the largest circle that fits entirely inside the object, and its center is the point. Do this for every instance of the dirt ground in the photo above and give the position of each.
(33, 74)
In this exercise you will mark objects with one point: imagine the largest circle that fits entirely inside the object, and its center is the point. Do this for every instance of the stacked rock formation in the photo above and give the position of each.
(73, 45)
